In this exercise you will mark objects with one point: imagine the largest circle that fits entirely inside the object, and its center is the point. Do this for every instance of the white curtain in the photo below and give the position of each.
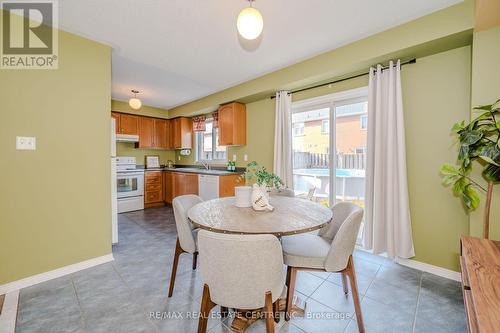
(387, 219)
(283, 138)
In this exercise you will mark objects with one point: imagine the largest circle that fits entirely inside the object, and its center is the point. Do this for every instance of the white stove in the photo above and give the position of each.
(129, 184)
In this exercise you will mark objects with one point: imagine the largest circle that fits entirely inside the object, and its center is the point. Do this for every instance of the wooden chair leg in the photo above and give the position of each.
(291, 275)
(355, 296)
(206, 306)
(224, 311)
(276, 311)
(269, 313)
(344, 282)
(178, 251)
(195, 260)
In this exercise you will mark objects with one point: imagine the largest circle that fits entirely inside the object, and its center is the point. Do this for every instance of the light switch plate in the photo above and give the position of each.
(25, 143)
(245, 157)
(234, 157)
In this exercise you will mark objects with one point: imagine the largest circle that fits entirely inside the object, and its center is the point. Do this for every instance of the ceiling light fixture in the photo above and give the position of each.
(134, 102)
(250, 22)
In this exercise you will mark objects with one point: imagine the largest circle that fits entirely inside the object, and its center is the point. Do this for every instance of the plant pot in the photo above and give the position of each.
(243, 196)
(260, 198)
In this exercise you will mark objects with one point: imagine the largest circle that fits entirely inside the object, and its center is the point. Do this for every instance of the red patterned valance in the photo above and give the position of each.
(199, 123)
(215, 117)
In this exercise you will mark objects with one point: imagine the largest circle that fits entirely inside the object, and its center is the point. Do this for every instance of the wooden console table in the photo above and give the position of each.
(480, 263)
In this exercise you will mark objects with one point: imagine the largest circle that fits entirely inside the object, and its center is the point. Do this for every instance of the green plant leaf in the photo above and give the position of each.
(470, 197)
(448, 169)
(460, 185)
(470, 137)
(457, 127)
(463, 152)
(449, 179)
(491, 154)
(492, 173)
(496, 105)
(484, 107)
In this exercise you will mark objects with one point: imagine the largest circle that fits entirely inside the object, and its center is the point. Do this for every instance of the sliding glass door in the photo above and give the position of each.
(322, 173)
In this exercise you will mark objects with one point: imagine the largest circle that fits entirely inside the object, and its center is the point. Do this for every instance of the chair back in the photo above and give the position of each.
(181, 205)
(343, 231)
(284, 192)
(240, 269)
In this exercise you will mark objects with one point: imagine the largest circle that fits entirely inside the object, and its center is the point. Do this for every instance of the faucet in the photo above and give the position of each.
(205, 165)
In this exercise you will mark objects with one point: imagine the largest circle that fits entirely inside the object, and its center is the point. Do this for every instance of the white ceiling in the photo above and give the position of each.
(175, 51)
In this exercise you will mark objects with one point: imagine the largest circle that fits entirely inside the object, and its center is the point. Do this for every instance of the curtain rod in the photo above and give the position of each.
(412, 61)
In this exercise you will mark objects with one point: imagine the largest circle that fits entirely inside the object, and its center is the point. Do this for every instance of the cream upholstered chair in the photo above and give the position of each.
(240, 271)
(329, 251)
(285, 192)
(186, 234)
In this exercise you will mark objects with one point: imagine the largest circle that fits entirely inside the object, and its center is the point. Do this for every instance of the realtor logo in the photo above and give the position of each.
(29, 35)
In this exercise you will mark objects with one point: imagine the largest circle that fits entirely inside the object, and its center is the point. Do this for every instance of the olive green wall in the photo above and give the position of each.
(436, 94)
(55, 203)
(145, 110)
(486, 90)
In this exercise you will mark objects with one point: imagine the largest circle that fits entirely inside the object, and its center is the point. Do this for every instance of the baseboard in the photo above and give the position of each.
(9, 312)
(436, 270)
(42, 277)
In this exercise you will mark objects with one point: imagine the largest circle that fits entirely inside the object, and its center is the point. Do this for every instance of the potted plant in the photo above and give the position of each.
(478, 141)
(263, 181)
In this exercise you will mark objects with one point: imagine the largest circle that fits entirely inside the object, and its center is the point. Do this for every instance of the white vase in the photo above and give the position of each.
(243, 196)
(260, 198)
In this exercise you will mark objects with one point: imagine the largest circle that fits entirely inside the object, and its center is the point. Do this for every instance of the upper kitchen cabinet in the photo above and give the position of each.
(160, 134)
(126, 123)
(129, 124)
(232, 124)
(182, 133)
(146, 132)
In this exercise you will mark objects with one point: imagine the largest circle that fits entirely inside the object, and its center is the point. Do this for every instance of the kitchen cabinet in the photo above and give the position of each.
(146, 132)
(126, 123)
(160, 134)
(184, 183)
(227, 184)
(168, 183)
(153, 188)
(232, 124)
(182, 133)
(129, 124)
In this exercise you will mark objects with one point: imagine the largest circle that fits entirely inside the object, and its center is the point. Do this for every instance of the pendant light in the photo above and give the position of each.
(250, 22)
(134, 102)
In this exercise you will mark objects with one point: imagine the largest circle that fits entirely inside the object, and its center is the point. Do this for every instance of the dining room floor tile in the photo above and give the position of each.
(130, 293)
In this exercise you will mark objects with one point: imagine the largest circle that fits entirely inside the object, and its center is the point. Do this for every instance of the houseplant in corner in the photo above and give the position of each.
(478, 141)
(263, 181)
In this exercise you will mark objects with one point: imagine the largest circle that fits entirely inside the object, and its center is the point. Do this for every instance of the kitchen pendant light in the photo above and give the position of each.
(250, 22)
(134, 102)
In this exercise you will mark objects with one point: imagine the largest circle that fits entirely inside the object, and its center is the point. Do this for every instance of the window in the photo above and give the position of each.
(298, 129)
(207, 145)
(363, 120)
(360, 150)
(325, 126)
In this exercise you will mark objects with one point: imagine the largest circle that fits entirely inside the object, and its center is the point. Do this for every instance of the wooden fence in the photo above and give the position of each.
(306, 160)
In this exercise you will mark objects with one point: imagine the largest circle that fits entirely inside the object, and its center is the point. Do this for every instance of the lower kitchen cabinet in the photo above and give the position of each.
(227, 184)
(184, 183)
(153, 188)
(168, 185)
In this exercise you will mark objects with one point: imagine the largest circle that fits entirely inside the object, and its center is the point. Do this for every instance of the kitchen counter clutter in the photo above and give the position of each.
(162, 185)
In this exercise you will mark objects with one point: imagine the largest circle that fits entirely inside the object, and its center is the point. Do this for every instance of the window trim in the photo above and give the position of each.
(361, 122)
(323, 121)
(199, 137)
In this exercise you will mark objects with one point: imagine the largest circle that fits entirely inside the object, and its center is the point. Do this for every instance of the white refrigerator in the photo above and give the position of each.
(114, 199)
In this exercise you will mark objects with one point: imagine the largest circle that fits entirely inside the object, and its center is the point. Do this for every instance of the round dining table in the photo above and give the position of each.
(290, 216)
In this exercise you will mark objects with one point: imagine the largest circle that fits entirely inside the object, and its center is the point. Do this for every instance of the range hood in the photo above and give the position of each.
(127, 138)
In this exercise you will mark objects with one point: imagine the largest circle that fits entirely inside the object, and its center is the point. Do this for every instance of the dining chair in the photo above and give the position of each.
(285, 192)
(186, 233)
(328, 251)
(244, 272)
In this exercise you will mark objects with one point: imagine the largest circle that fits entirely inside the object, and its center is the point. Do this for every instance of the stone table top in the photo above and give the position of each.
(290, 216)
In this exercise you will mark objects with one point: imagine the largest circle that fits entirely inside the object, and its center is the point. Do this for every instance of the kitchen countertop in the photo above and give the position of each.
(197, 170)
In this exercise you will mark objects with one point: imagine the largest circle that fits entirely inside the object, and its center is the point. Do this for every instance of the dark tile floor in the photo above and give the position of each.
(130, 294)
